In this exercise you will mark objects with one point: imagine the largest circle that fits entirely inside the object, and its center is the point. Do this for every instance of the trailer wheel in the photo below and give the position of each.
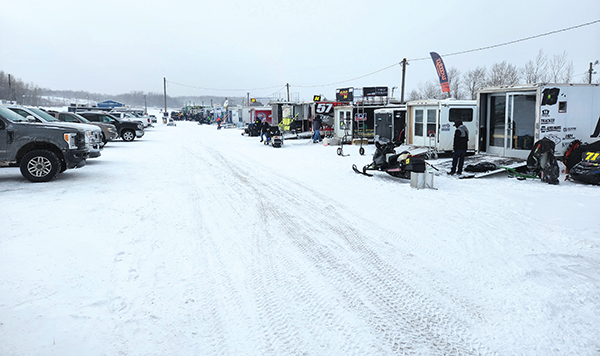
(339, 151)
(361, 151)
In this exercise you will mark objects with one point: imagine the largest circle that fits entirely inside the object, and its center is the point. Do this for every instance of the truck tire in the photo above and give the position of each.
(128, 135)
(40, 166)
(104, 138)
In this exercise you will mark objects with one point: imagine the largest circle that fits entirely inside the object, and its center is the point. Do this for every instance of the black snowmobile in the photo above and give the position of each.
(386, 159)
(542, 163)
(582, 162)
(587, 170)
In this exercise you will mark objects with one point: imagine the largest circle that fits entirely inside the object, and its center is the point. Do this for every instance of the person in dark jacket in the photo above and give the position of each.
(461, 139)
(264, 130)
(258, 124)
(317, 124)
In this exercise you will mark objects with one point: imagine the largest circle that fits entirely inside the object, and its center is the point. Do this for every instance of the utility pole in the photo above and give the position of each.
(590, 73)
(165, 86)
(403, 79)
(248, 99)
(288, 92)
(9, 89)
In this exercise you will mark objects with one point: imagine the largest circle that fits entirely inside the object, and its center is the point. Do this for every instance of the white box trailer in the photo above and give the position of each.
(512, 119)
(431, 123)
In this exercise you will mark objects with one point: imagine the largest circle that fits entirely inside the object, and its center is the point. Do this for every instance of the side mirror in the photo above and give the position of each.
(30, 118)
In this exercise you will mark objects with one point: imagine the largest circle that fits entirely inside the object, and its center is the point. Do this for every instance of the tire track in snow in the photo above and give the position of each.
(398, 313)
(434, 327)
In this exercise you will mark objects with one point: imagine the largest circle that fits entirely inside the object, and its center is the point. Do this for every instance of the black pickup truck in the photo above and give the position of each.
(128, 130)
(41, 150)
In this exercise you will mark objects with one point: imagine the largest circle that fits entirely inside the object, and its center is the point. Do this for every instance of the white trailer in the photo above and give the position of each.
(431, 123)
(512, 119)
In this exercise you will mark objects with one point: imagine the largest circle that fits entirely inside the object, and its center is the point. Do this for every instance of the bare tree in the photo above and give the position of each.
(561, 71)
(414, 95)
(502, 74)
(429, 90)
(455, 82)
(474, 80)
(536, 72)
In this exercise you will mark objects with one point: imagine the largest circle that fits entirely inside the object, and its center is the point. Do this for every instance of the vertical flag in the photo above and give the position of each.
(441, 71)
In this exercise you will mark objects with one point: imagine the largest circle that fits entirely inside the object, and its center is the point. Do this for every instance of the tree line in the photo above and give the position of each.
(544, 69)
(15, 89)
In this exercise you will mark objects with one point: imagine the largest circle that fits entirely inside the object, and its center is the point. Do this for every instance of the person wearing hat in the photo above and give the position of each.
(461, 139)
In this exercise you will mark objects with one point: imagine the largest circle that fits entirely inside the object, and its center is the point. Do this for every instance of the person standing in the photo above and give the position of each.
(461, 139)
(264, 130)
(317, 124)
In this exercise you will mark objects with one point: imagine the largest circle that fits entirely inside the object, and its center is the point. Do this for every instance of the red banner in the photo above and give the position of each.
(441, 71)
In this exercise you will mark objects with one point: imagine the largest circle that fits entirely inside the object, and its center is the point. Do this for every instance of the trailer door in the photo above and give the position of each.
(511, 121)
(424, 124)
(384, 124)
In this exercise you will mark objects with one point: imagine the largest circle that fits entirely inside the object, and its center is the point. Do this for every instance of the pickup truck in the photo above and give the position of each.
(41, 116)
(128, 130)
(131, 116)
(109, 131)
(41, 150)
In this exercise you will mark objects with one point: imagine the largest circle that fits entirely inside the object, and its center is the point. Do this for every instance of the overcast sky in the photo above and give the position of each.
(257, 46)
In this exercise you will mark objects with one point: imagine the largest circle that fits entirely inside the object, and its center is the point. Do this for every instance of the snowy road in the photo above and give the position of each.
(193, 241)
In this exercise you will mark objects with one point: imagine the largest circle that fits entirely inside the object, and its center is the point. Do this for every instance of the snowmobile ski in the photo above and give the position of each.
(359, 172)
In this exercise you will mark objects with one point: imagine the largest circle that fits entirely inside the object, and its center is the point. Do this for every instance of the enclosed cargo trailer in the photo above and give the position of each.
(512, 119)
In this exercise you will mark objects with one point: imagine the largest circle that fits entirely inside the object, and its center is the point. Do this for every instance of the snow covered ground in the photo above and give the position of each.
(193, 241)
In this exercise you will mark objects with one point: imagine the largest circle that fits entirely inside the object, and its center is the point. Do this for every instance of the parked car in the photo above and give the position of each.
(153, 119)
(109, 131)
(131, 116)
(41, 116)
(41, 150)
(128, 130)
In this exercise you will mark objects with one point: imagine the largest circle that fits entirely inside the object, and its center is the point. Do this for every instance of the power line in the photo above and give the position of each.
(395, 64)
(344, 81)
(512, 42)
(461, 52)
(216, 89)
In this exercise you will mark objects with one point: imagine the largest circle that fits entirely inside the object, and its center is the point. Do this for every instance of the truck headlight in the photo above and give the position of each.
(139, 126)
(71, 139)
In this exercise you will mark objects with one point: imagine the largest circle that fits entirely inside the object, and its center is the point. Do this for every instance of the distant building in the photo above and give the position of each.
(110, 104)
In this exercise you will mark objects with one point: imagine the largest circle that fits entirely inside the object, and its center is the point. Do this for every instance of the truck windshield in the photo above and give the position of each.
(44, 115)
(11, 115)
(83, 119)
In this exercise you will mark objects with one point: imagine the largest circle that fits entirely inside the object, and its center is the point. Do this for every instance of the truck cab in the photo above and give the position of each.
(41, 150)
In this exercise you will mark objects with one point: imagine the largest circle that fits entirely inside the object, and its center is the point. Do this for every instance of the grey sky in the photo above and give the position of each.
(116, 47)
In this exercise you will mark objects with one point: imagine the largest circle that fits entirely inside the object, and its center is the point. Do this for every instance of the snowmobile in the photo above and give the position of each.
(587, 170)
(274, 137)
(386, 159)
(542, 163)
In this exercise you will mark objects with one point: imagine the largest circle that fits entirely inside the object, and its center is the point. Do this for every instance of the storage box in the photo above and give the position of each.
(421, 180)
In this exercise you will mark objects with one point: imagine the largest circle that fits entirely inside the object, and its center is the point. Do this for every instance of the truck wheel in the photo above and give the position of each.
(128, 135)
(104, 138)
(40, 166)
